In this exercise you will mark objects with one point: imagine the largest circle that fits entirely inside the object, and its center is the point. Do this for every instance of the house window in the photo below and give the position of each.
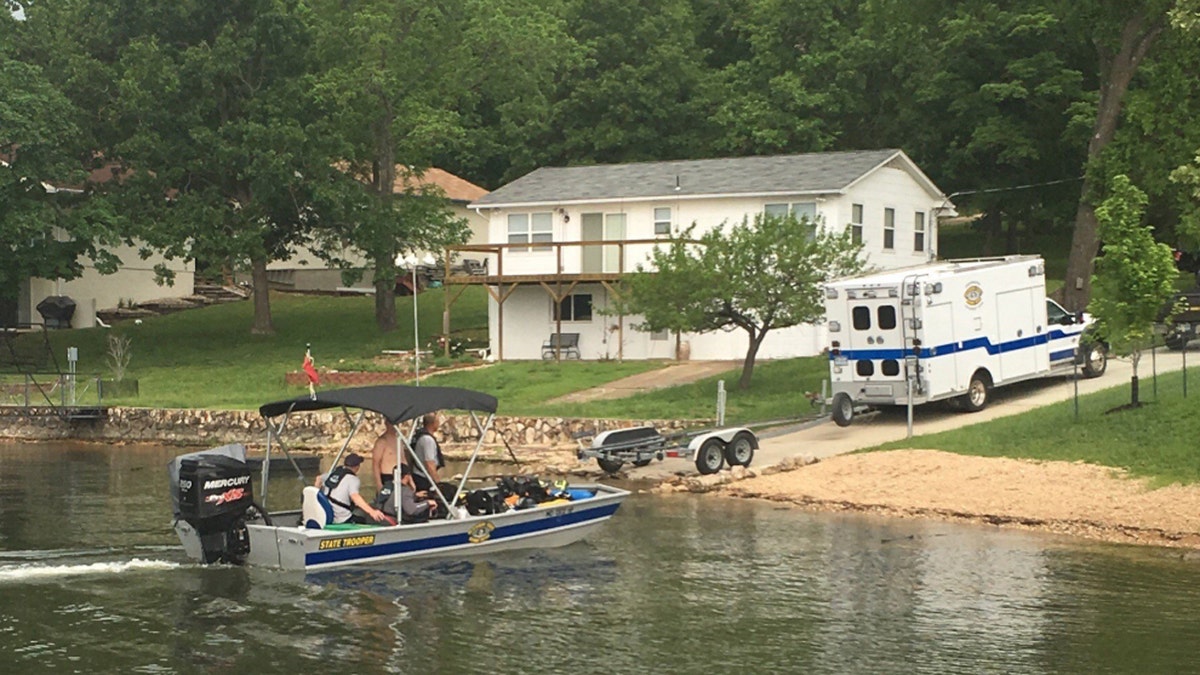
(659, 335)
(919, 231)
(531, 228)
(574, 307)
(805, 212)
(856, 223)
(662, 221)
(889, 229)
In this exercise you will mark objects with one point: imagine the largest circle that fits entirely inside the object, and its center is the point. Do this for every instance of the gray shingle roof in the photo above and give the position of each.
(812, 173)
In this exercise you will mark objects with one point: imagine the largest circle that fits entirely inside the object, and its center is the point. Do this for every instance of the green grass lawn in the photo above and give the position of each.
(776, 392)
(207, 358)
(1158, 440)
(524, 388)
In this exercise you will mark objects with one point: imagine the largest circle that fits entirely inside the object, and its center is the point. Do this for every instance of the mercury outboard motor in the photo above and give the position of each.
(215, 493)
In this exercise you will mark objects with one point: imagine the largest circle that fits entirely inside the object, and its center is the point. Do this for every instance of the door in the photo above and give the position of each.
(875, 338)
(1018, 335)
(591, 228)
(614, 230)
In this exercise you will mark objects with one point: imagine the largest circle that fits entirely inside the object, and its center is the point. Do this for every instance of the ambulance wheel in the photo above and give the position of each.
(711, 456)
(1095, 360)
(740, 451)
(609, 466)
(843, 409)
(976, 398)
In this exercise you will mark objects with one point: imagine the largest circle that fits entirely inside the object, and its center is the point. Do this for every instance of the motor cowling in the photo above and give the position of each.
(215, 492)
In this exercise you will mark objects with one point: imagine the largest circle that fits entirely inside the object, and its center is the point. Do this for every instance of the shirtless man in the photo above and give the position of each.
(383, 456)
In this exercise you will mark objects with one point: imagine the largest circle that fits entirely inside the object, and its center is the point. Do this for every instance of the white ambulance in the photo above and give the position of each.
(950, 330)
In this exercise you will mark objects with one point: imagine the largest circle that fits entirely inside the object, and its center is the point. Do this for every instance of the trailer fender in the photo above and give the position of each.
(725, 436)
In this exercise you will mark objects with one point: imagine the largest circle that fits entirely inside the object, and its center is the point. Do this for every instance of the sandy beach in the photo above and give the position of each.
(1063, 497)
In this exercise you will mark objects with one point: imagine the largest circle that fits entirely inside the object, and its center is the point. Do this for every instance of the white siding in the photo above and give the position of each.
(92, 291)
(528, 320)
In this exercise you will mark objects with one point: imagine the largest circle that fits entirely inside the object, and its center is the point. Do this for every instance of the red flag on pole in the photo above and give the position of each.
(311, 371)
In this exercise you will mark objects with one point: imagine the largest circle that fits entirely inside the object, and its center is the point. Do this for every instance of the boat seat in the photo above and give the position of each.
(315, 510)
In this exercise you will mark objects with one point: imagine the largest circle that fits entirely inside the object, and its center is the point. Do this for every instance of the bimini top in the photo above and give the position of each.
(397, 403)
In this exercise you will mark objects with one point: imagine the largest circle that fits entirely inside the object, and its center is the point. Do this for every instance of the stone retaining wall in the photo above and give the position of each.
(311, 431)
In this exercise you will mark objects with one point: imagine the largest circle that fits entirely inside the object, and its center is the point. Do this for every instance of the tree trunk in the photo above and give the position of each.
(1134, 400)
(751, 354)
(990, 223)
(1116, 72)
(1012, 242)
(385, 300)
(262, 298)
(385, 179)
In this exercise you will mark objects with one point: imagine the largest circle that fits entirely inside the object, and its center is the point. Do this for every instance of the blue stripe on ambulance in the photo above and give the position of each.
(966, 346)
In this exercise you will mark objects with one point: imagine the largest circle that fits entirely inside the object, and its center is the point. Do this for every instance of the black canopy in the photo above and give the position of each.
(397, 403)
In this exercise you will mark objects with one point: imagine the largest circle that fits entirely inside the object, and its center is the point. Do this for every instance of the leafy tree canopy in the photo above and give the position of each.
(1134, 277)
(757, 276)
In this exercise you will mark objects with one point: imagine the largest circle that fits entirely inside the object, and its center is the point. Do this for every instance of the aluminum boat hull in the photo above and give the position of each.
(291, 547)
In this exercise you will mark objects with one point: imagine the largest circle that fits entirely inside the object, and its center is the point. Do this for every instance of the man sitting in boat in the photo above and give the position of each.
(415, 506)
(428, 451)
(341, 487)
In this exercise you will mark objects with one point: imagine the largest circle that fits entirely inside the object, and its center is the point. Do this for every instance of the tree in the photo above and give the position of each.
(1123, 33)
(50, 220)
(399, 76)
(641, 90)
(757, 276)
(220, 133)
(1134, 277)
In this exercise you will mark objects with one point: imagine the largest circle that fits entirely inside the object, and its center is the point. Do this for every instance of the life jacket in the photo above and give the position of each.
(331, 482)
(441, 461)
(385, 499)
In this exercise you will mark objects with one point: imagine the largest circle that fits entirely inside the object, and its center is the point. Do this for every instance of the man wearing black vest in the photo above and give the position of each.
(428, 451)
(341, 487)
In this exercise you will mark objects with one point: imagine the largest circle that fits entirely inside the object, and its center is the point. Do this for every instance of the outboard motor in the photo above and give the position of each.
(214, 494)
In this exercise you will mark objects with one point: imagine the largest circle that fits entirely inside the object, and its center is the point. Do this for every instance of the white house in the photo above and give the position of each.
(134, 282)
(541, 277)
(304, 271)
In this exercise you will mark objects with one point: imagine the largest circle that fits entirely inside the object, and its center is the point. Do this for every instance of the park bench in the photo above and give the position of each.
(565, 343)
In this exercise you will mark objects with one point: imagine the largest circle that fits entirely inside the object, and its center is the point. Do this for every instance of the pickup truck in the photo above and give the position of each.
(1184, 326)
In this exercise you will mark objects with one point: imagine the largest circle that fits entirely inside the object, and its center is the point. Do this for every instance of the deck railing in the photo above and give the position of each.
(534, 262)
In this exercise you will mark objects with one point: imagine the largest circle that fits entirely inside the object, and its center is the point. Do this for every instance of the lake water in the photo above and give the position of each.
(91, 580)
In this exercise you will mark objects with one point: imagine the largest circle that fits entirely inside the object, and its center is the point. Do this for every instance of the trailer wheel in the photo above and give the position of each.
(1096, 359)
(843, 409)
(976, 398)
(642, 462)
(740, 451)
(609, 466)
(711, 456)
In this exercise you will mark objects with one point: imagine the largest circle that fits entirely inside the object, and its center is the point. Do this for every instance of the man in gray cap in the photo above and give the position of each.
(341, 486)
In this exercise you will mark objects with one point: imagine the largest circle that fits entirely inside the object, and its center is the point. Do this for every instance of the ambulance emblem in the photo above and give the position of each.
(973, 295)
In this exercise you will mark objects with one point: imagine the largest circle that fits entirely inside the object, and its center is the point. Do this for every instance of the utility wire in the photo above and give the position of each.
(1015, 187)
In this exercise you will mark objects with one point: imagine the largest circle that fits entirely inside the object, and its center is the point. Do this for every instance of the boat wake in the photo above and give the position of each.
(35, 572)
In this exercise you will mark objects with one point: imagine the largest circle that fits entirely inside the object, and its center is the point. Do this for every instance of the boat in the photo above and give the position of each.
(218, 519)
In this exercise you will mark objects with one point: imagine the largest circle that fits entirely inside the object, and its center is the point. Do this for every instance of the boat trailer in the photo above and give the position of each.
(710, 449)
